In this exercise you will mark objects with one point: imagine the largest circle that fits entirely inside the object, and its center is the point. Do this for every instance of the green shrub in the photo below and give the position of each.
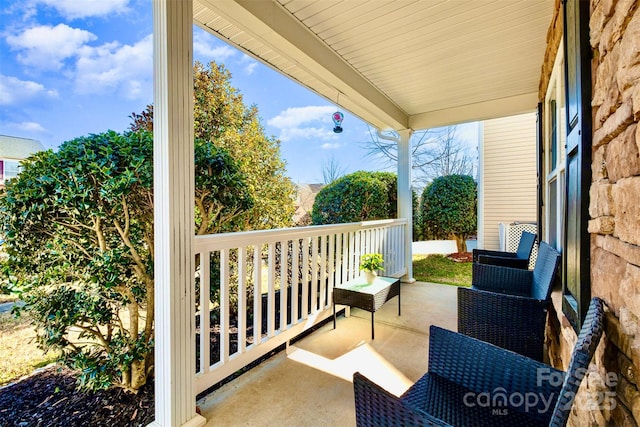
(449, 209)
(360, 196)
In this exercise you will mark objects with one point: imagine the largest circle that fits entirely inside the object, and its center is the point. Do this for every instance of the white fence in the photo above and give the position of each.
(291, 271)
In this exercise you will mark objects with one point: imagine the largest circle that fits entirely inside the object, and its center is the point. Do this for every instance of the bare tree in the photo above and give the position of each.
(332, 170)
(452, 157)
(434, 153)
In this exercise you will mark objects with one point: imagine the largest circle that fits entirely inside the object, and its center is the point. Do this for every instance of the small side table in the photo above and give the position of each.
(370, 297)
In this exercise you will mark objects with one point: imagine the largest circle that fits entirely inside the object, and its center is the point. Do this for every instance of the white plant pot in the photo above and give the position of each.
(370, 276)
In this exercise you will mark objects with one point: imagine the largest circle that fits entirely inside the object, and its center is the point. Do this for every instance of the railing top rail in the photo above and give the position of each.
(237, 239)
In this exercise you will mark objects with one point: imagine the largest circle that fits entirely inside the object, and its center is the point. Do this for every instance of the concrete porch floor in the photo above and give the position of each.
(310, 383)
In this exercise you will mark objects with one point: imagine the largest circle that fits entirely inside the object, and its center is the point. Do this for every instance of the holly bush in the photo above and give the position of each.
(78, 225)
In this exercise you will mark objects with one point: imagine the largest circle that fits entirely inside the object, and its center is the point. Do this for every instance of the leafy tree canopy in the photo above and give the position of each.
(359, 196)
(221, 118)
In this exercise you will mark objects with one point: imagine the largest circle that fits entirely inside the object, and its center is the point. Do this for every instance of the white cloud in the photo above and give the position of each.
(22, 127)
(112, 67)
(305, 123)
(31, 127)
(47, 47)
(14, 91)
(72, 9)
(250, 68)
(297, 116)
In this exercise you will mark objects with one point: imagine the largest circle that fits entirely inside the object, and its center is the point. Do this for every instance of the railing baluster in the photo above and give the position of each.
(338, 259)
(284, 267)
(257, 294)
(295, 280)
(314, 275)
(224, 305)
(331, 267)
(323, 271)
(271, 306)
(305, 277)
(205, 327)
(242, 299)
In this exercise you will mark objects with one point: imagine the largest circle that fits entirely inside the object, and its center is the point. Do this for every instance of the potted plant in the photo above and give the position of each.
(370, 264)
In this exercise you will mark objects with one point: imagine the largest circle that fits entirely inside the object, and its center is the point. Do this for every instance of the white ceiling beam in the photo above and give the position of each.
(475, 112)
(269, 22)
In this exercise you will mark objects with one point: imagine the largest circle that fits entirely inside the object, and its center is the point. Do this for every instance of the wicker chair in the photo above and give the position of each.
(473, 383)
(518, 259)
(508, 306)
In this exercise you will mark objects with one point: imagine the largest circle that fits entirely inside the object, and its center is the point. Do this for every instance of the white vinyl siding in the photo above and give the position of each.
(508, 178)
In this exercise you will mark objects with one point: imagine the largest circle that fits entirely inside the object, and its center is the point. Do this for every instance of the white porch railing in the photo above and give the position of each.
(291, 271)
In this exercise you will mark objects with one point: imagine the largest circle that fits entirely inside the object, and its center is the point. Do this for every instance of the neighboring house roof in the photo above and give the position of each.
(305, 196)
(13, 147)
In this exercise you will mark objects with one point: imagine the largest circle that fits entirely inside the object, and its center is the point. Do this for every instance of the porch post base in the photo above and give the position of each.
(196, 421)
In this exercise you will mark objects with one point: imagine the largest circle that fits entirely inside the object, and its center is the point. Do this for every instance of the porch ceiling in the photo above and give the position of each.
(396, 64)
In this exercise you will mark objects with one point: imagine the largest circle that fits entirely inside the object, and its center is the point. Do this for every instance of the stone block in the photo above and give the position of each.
(596, 24)
(598, 164)
(622, 158)
(621, 416)
(628, 72)
(626, 392)
(628, 369)
(624, 342)
(602, 225)
(607, 272)
(635, 410)
(635, 102)
(614, 125)
(638, 127)
(615, 27)
(626, 251)
(630, 291)
(606, 86)
(601, 200)
(629, 323)
(626, 200)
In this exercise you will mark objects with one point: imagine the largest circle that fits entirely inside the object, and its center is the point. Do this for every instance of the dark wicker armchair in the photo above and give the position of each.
(508, 306)
(518, 259)
(473, 383)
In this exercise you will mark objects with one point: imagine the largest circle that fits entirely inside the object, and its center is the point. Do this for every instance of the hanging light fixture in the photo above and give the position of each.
(337, 117)
(337, 121)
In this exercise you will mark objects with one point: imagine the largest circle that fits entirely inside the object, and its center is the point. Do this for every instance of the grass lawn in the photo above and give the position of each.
(19, 354)
(440, 269)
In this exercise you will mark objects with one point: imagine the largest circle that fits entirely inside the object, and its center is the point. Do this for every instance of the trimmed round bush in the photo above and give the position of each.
(360, 196)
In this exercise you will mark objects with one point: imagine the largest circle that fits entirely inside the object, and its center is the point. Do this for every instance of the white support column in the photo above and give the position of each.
(405, 200)
(173, 217)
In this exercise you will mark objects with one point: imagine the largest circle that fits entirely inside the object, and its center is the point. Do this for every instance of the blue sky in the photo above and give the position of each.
(69, 68)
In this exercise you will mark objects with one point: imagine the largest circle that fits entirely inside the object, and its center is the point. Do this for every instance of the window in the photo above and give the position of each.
(11, 169)
(554, 156)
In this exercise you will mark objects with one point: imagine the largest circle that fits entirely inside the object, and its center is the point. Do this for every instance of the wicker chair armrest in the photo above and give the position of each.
(377, 407)
(506, 280)
(478, 252)
(486, 368)
(504, 261)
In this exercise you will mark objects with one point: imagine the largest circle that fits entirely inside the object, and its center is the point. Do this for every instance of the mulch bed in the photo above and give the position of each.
(49, 398)
(461, 256)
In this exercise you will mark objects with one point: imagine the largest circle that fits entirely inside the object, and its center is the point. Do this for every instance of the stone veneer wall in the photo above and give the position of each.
(609, 395)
